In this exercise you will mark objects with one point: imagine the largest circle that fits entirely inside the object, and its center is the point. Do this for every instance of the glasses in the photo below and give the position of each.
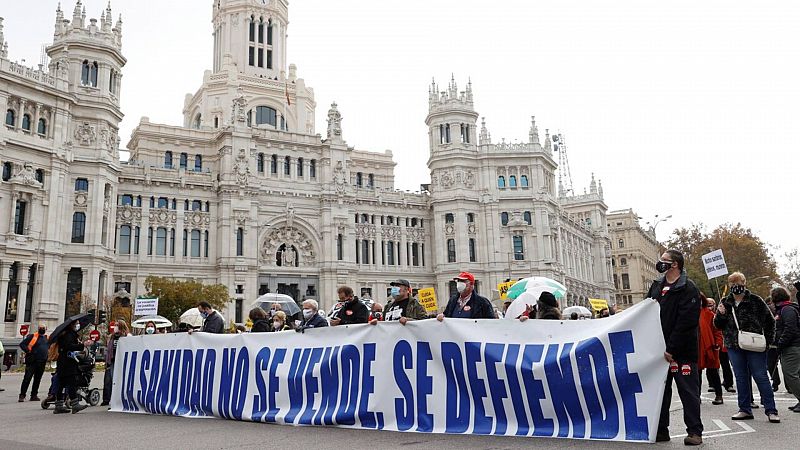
(667, 261)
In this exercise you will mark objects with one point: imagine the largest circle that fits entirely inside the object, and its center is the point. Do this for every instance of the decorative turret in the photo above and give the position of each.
(486, 137)
(533, 135)
(3, 43)
(335, 125)
(105, 19)
(548, 145)
(59, 26)
(593, 185)
(600, 189)
(78, 14)
(451, 117)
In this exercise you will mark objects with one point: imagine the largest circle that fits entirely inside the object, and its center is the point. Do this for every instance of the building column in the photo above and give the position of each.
(3, 289)
(22, 294)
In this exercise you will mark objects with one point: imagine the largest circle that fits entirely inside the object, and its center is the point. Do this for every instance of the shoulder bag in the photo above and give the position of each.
(752, 342)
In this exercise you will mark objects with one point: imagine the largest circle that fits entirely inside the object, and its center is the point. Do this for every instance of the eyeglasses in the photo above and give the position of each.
(667, 261)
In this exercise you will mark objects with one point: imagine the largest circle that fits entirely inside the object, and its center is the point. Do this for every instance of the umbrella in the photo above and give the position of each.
(161, 322)
(526, 292)
(582, 311)
(83, 318)
(288, 305)
(193, 318)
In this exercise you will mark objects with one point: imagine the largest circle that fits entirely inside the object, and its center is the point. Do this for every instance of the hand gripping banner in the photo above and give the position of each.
(581, 379)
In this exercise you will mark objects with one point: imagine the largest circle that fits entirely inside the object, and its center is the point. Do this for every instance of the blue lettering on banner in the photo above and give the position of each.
(345, 415)
(482, 424)
(563, 391)
(535, 390)
(515, 389)
(260, 399)
(296, 370)
(329, 375)
(629, 385)
(424, 387)
(187, 363)
(403, 407)
(311, 387)
(367, 418)
(492, 355)
(593, 362)
(457, 404)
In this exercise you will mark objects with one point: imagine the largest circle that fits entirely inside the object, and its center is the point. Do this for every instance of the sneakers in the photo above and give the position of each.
(730, 389)
(35, 398)
(718, 400)
(742, 416)
(773, 418)
(21, 398)
(754, 405)
(692, 439)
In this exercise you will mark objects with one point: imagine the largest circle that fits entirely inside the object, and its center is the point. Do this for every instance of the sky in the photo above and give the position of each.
(681, 108)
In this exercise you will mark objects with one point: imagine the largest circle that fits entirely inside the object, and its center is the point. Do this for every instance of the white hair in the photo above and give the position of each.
(312, 302)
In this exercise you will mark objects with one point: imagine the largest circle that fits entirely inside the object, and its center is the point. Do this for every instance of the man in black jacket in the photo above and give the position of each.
(680, 315)
(213, 321)
(35, 347)
(467, 304)
(787, 339)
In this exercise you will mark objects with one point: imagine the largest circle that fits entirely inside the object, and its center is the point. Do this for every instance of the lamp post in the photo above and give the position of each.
(658, 221)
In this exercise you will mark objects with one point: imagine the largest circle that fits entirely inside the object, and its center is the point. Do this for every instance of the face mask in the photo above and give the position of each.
(308, 313)
(42, 331)
(277, 325)
(150, 330)
(395, 291)
(116, 329)
(663, 266)
(737, 289)
(460, 286)
(77, 326)
(204, 314)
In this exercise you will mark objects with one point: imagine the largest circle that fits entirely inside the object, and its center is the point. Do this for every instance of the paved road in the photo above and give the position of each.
(26, 425)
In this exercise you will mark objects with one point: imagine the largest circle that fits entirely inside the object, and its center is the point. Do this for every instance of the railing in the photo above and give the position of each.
(27, 72)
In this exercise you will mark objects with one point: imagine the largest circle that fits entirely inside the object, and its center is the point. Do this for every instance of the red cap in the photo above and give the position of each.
(465, 276)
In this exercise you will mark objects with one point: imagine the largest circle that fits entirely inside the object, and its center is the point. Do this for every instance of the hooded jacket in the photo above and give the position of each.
(753, 315)
(680, 316)
(787, 327)
(39, 352)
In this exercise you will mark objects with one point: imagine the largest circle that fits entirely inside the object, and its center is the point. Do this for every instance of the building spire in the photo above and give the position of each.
(485, 137)
(600, 189)
(534, 132)
(593, 185)
(77, 22)
(3, 43)
(548, 145)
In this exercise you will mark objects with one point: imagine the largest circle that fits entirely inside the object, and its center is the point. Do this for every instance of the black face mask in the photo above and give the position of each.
(41, 331)
(662, 266)
(737, 289)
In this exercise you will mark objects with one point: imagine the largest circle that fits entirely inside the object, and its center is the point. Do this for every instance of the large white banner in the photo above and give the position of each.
(583, 379)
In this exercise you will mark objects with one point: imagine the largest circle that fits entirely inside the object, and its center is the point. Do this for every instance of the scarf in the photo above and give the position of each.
(33, 341)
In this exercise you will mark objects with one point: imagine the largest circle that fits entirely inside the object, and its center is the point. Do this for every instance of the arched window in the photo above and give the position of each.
(216, 122)
(473, 256)
(184, 161)
(197, 205)
(260, 163)
(370, 180)
(26, 122)
(512, 181)
(125, 240)
(198, 119)
(266, 115)
(195, 243)
(81, 185)
(93, 69)
(240, 241)
(85, 73)
(78, 227)
(39, 176)
(299, 167)
(11, 118)
(359, 179)
(198, 163)
(501, 182)
(41, 127)
(261, 31)
(523, 181)
(161, 242)
(528, 218)
(451, 250)
(449, 218)
(312, 169)
(269, 32)
(252, 28)
(168, 160)
(623, 262)
(273, 164)
(504, 218)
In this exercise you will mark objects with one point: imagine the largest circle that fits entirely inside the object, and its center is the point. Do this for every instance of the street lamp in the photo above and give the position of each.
(658, 221)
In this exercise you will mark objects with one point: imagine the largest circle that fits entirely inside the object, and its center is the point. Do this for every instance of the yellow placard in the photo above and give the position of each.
(598, 304)
(427, 298)
(503, 288)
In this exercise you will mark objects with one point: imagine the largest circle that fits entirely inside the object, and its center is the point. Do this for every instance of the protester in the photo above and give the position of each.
(261, 323)
(213, 322)
(35, 347)
(2, 354)
(467, 304)
(279, 322)
(727, 373)
(679, 300)
(311, 317)
(742, 310)
(709, 344)
(120, 330)
(352, 310)
(68, 371)
(773, 354)
(546, 309)
(403, 306)
(150, 327)
(787, 341)
(604, 313)
(573, 316)
(377, 312)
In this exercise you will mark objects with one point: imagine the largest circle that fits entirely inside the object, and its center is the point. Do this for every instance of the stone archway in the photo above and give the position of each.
(287, 246)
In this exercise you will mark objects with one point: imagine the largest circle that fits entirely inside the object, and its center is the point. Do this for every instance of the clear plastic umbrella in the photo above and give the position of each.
(161, 322)
(193, 318)
(288, 305)
(580, 310)
(526, 292)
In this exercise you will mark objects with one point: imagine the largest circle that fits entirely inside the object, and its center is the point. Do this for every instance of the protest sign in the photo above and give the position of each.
(714, 263)
(427, 298)
(503, 288)
(145, 306)
(598, 304)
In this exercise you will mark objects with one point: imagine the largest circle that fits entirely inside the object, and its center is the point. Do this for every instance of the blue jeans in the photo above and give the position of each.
(755, 363)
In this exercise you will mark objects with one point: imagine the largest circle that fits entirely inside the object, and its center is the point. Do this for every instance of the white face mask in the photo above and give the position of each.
(150, 330)
(461, 286)
(77, 326)
(116, 329)
(308, 313)
(277, 325)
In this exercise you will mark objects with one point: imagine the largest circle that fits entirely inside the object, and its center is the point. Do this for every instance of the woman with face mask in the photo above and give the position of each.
(279, 322)
(744, 311)
(150, 328)
(261, 323)
(120, 330)
(68, 345)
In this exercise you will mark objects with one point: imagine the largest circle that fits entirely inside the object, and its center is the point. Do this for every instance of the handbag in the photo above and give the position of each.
(752, 342)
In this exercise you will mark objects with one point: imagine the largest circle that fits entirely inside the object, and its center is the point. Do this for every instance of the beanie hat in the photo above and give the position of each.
(548, 299)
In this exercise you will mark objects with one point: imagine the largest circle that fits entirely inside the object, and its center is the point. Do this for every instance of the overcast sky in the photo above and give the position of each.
(683, 107)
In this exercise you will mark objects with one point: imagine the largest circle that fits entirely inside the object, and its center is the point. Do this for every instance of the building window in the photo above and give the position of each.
(260, 163)
(504, 218)
(626, 282)
(370, 181)
(339, 247)
(501, 182)
(273, 164)
(198, 120)
(464, 133)
(150, 240)
(473, 257)
(205, 244)
(6, 171)
(78, 228)
(163, 202)
(216, 122)
(451, 250)
(512, 181)
(81, 185)
(195, 243)
(41, 127)
(184, 161)
(172, 242)
(616, 282)
(185, 242)
(198, 163)
(364, 252)
(125, 240)
(523, 181)
(136, 233)
(359, 179)
(85, 73)
(252, 29)
(470, 218)
(251, 58)
(266, 115)
(312, 169)
(240, 242)
(39, 176)
(197, 205)
(269, 59)
(11, 118)
(527, 216)
(415, 253)
(161, 242)
(449, 218)
(104, 232)
(19, 217)
(621, 243)
(519, 249)
(287, 165)
(168, 160)
(269, 32)
(390, 253)
(26, 122)
(300, 167)
(444, 134)
(126, 200)
(623, 261)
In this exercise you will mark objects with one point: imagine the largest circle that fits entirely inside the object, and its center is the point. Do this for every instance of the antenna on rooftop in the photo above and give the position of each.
(564, 174)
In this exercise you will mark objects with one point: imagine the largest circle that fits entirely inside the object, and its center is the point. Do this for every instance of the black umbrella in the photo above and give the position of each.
(82, 317)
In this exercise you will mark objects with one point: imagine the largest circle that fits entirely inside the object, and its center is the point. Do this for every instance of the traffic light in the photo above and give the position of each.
(102, 317)
(91, 313)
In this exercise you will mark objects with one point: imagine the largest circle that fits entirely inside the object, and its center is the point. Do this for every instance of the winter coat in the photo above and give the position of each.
(787, 327)
(477, 307)
(414, 310)
(39, 352)
(316, 321)
(680, 314)
(709, 343)
(68, 342)
(261, 326)
(547, 312)
(111, 347)
(753, 315)
(213, 324)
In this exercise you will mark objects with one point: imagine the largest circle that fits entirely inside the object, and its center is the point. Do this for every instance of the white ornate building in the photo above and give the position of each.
(245, 193)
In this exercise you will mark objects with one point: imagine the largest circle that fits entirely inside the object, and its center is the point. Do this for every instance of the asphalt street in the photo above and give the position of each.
(26, 425)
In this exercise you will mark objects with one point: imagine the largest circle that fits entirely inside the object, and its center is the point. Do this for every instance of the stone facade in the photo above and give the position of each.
(247, 194)
(634, 253)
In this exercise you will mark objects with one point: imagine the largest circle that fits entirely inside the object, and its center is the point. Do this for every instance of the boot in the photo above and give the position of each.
(76, 406)
(60, 408)
(21, 398)
(717, 401)
(50, 398)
